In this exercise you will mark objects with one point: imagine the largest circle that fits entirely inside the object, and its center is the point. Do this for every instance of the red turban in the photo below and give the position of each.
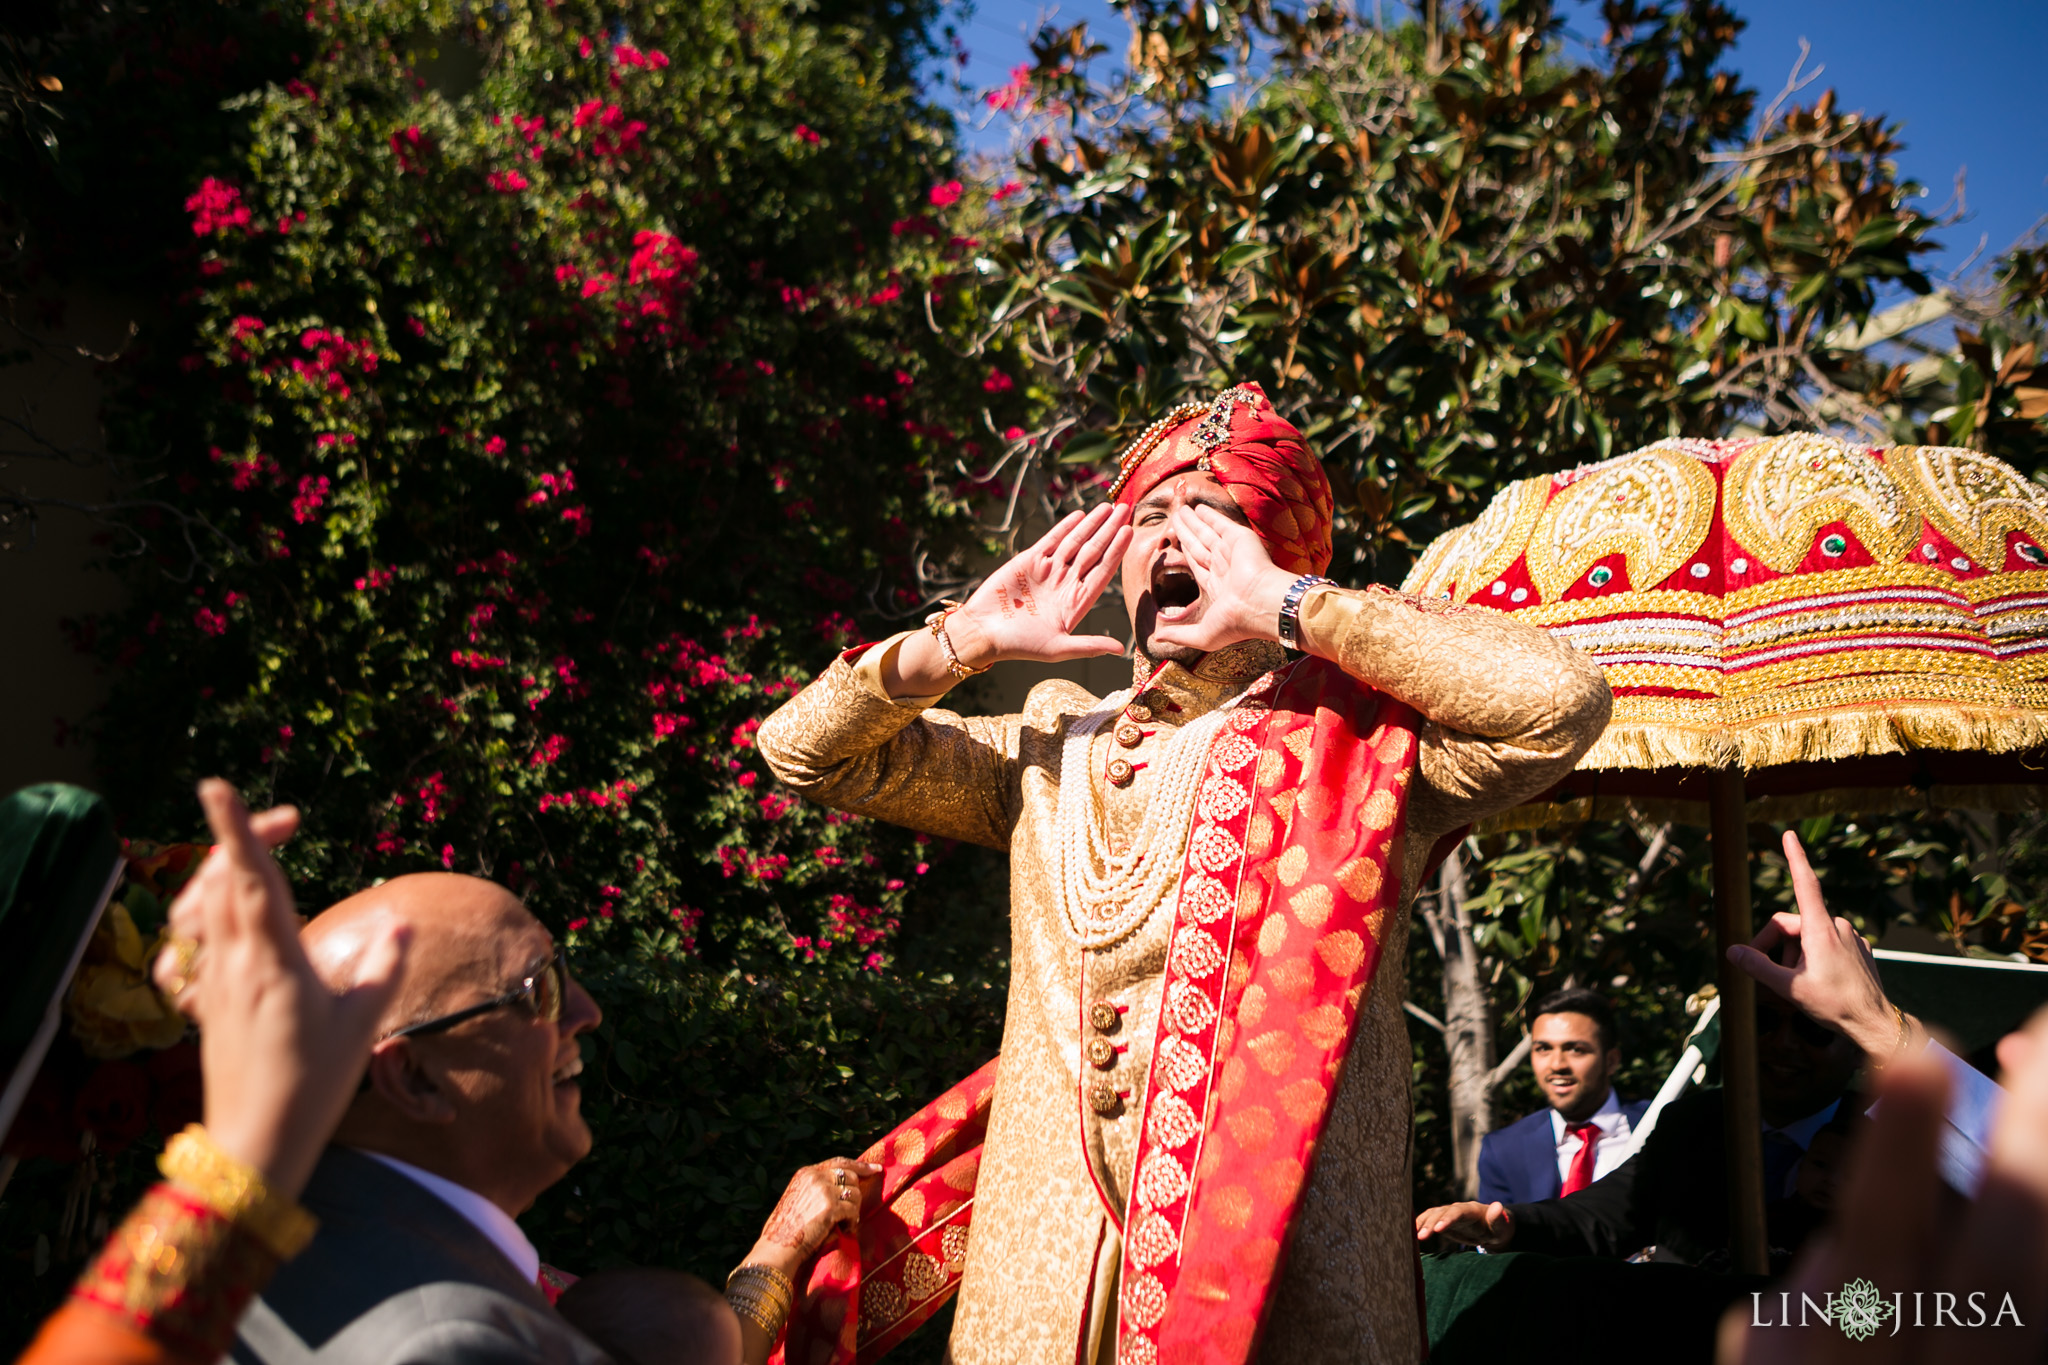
(1258, 457)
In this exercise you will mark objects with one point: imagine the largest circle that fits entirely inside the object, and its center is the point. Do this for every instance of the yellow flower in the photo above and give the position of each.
(115, 1009)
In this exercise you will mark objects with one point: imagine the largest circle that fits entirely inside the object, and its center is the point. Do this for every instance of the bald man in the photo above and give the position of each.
(470, 1109)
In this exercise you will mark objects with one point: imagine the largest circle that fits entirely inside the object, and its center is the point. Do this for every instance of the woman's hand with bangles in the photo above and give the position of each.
(818, 1199)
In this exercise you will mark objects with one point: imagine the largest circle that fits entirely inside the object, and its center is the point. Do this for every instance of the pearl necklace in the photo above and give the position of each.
(1105, 897)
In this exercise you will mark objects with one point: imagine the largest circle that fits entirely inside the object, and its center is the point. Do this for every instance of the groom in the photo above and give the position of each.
(1198, 1148)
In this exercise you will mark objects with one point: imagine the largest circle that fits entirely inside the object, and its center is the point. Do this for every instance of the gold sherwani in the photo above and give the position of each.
(1508, 709)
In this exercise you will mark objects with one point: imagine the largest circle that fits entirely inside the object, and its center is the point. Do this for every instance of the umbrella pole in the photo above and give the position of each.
(1742, 1117)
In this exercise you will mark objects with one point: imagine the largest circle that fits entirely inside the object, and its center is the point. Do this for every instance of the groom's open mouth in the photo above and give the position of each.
(1174, 591)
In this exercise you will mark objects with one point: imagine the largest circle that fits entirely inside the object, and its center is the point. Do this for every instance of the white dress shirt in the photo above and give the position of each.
(493, 1222)
(1614, 1145)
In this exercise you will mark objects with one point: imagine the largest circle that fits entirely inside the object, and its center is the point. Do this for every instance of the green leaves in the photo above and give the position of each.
(561, 421)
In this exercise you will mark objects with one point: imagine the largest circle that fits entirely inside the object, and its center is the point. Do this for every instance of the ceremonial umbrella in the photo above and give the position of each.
(1791, 626)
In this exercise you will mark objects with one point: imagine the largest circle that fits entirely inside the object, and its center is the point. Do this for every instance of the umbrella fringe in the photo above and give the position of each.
(1768, 810)
(1819, 737)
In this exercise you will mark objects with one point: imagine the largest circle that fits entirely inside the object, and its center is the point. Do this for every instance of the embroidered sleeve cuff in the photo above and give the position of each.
(867, 668)
(178, 1271)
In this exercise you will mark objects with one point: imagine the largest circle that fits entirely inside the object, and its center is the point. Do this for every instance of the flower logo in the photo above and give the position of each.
(1860, 1310)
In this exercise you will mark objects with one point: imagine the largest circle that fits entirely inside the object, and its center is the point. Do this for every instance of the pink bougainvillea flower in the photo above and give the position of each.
(506, 182)
(943, 196)
(311, 496)
(1016, 94)
(805, 134)
(1008, 188)
(215, 207)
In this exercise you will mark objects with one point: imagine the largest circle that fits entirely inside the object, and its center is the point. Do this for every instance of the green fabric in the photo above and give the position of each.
(1519, 1306)
(1977, 1001)
(57, 857)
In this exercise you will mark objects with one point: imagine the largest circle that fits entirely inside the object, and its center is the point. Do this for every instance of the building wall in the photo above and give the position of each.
(47, 563)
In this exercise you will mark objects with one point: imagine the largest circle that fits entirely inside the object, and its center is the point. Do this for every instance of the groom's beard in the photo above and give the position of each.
(1187, 656)
(1144, 621)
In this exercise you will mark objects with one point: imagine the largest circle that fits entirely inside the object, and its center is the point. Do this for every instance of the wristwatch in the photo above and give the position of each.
(1290, 607)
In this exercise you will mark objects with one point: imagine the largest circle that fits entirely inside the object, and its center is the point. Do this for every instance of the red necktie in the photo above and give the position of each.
(1581, 1173)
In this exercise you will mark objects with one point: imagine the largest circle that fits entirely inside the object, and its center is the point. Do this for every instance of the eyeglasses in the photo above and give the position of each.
(542, 993)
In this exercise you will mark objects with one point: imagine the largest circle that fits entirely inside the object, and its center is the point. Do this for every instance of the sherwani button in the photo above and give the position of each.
(1104, 1016)
(1139, 713)
(1121, 772)
(1102, 1098)
(1101, 1053)
(1129, 735)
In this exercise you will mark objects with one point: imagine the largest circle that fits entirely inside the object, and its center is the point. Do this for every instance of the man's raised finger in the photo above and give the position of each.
(229, 820)
(1805, 886)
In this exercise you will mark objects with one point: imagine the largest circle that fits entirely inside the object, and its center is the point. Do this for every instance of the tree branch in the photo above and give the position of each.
(1506, 1067)
(1424, 1015)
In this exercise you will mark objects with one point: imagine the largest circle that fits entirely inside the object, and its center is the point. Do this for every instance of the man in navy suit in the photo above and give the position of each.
(1584, 1133)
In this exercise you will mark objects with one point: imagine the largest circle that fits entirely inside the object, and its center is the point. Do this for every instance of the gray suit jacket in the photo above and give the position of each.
(396, 1277)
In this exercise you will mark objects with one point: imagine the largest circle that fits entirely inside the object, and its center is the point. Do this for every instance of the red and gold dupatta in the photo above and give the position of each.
(1293, 861)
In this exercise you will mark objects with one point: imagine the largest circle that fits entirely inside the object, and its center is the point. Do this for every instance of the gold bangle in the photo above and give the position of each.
(762, 1295)
(937, 622)
(236, 1192)
(1905, 1031)
(751, 1310)
(777, 1283)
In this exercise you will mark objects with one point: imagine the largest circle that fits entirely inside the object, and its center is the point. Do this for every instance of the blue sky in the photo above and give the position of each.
(1962, 76)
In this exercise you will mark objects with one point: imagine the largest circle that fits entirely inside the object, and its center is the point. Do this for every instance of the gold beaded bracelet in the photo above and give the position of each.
(237, 1193)
(937, 622)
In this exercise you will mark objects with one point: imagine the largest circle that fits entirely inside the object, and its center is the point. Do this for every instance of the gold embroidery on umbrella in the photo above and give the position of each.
(1654, 506)
(1972, 499)
(1484, 549)
(1780, 492)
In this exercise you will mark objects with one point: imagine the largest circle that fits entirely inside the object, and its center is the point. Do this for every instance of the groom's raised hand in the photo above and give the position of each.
(1241, 587)
(1028, 608)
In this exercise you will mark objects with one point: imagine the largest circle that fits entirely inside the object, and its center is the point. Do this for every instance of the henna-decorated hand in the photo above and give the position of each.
(818, 1199)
